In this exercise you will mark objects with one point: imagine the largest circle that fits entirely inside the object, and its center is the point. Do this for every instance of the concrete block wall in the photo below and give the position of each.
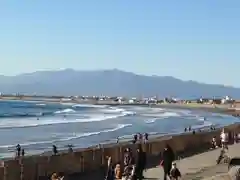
(89, 160)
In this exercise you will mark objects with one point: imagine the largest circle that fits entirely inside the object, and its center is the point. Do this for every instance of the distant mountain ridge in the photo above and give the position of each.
(109, 82)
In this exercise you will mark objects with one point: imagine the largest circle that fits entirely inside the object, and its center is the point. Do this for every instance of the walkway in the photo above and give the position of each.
(199, 166)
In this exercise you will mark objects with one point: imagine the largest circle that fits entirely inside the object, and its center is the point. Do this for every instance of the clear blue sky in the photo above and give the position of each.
(162, 37)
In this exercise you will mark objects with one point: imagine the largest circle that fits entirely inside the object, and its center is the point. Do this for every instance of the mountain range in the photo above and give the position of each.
(109, 82)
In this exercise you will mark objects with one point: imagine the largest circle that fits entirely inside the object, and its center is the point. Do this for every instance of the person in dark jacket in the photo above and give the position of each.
(168, 158)
(140, 162)
(175, 174)
(128, 159)
(110, 175)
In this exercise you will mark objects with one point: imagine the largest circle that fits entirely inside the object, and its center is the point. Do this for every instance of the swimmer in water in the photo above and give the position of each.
(204, 119)
(37, 118)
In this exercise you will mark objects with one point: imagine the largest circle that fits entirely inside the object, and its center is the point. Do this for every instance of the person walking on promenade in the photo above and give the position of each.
(128, 159)
(110, 175)
(168, 158)
(224, 139)
(117, 172)
(140, 162)
(175, 174)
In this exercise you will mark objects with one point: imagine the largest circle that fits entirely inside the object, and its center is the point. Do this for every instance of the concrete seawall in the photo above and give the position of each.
(90, 160)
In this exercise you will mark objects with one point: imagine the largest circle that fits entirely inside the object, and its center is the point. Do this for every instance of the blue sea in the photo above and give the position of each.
(36, 126)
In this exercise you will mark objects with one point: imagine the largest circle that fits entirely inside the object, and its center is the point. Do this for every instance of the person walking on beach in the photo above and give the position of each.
(70, 148)
(23, 153)
(18, 149)
(55, 151)
(135, 137)
(168, 158)
(145, 137)
(140, 137)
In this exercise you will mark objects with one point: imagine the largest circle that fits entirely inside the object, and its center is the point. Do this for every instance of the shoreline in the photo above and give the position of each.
(91, 163)
(109, 143)
(123, 142)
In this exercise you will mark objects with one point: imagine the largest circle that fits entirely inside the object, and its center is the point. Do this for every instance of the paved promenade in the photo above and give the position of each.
(201, 166)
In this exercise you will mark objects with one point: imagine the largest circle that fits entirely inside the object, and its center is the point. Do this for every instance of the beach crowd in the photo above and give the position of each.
(133, 163)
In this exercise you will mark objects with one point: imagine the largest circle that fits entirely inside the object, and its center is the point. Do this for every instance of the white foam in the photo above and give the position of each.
(40, 104)
(165, 114)
(128, 113)
(65, 111)
(89, 105)
(117, 109)
(71, 137)
(30, 122)
(121, 111)
(113, 110)
(150, 121)
(95, 118)
(201, 119)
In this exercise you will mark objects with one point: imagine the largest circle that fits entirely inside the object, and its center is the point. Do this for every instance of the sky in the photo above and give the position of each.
(187, 39)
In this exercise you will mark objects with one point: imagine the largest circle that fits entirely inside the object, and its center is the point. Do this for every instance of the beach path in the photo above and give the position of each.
(200, 166)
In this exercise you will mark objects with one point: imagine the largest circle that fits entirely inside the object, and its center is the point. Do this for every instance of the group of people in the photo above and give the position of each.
(142, 138)
(131, 168)
(169, 166)
(225, 139)
(56, 176)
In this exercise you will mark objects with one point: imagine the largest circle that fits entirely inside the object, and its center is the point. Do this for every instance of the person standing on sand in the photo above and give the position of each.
(54, 149)
(145, 137)
(18, 148)
(135, 137)
(23, 152)
(168, 158)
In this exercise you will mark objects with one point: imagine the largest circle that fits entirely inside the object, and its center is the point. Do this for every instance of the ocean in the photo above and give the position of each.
(36, 126)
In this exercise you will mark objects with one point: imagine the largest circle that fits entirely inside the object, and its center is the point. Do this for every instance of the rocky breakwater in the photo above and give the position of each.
(93, 160)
